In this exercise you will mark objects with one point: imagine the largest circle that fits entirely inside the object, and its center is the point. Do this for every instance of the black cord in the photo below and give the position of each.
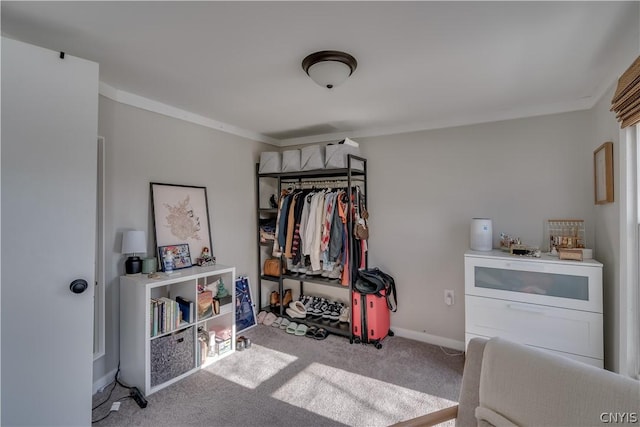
(108, 397)
(115, 381)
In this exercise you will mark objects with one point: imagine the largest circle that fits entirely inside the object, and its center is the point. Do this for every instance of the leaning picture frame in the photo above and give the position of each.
(603, 173)
(181, 216)
(245, 313)
(179, 253)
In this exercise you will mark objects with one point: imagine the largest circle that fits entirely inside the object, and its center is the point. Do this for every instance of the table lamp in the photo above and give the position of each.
(133, 242)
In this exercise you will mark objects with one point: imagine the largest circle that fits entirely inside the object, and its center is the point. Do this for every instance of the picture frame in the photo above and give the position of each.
(181, 216)
(603, 173)
(181, 255)
(245, 309)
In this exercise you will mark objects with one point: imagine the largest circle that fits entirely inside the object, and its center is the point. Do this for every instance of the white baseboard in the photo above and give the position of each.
(428, 338)
(104, 381)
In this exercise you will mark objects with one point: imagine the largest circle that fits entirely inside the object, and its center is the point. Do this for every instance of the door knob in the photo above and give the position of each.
(78, 286)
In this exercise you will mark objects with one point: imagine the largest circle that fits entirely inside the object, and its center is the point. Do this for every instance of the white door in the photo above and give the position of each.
(49, 130)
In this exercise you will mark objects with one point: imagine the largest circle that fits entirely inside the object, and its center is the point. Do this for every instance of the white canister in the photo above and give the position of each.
(481, 234)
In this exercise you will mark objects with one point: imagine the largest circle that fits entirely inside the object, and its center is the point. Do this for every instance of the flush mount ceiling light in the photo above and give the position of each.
(329, 68)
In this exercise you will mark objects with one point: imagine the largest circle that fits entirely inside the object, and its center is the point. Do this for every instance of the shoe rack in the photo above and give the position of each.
(270, 184)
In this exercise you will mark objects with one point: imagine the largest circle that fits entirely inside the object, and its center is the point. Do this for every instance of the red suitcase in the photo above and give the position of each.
(371, 318)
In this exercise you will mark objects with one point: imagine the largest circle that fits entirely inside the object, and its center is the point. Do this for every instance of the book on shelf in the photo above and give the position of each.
(165, 315)
(205, 304)
(154, 316)
(186, 308)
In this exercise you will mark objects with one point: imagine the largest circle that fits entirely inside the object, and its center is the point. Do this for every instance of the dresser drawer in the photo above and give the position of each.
(565, 330)
(575, 285)
(598, 363)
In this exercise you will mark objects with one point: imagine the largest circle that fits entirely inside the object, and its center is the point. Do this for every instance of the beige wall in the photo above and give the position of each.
(425, 187)
(607, 228)
(144, 147)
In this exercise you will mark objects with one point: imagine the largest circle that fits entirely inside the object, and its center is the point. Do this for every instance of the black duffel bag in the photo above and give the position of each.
(373, 281)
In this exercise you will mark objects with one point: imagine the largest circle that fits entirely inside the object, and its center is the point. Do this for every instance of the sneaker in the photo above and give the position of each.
(336, 273)
(316, 308)
(345, 315)
(336, 310)
(326, 310)
(313, 272)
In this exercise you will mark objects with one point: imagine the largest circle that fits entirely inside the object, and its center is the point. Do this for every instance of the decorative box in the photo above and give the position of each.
(291, 161)
(336, 157)
(270, 162)
(311, 158)
(222, 345)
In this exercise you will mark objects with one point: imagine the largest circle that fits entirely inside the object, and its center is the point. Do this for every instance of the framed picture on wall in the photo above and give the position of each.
(181, 216)
(603, 173)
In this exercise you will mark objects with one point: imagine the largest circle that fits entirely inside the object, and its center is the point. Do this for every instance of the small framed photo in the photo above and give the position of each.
(180, 253)
(603, 173)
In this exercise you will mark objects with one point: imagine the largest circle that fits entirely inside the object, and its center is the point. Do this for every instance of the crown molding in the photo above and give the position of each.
(143, 103)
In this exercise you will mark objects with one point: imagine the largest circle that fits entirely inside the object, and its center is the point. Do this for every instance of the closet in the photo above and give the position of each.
(292, 228)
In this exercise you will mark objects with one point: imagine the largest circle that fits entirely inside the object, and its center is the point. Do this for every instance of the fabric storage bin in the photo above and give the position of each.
(291, 161)
(311, 157)
(172, 355)
(270, 162)
(336, 157)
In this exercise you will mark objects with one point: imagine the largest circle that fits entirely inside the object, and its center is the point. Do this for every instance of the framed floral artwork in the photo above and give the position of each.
(181, 215)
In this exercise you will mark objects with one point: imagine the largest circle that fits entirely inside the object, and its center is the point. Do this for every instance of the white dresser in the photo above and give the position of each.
(544, 302)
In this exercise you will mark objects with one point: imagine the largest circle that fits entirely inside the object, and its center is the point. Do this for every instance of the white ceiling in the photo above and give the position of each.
(421, 65)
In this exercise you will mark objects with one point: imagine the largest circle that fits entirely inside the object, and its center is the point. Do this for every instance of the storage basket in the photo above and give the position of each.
(311, 158)
(270, 162)
(172, 355)
(336, 157)
(291, 161)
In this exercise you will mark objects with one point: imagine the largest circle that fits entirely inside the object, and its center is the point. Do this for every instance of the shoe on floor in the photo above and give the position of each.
(261, 317)
(301, 330)
(311, 331)
(276, 323)
(269, 319)
(321, 334)
(284, 323)
(291, 329)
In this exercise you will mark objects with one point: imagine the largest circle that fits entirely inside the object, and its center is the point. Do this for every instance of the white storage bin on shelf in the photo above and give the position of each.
(312, 158)
(336, 157)
(270, 162)
(291, 161)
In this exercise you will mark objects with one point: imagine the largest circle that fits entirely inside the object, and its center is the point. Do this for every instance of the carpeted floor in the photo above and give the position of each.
(286, 380)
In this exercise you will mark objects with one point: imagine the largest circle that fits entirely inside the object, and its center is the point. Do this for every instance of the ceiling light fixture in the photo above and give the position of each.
(329, 68)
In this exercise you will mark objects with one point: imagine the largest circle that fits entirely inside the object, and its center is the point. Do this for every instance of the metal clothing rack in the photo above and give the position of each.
(347, 178)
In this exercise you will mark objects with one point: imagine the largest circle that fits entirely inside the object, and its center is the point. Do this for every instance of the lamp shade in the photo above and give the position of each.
(329, 73)
(329, 68)
(134, 241)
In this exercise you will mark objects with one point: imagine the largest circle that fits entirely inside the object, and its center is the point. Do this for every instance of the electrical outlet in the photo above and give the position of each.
(449, 297)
